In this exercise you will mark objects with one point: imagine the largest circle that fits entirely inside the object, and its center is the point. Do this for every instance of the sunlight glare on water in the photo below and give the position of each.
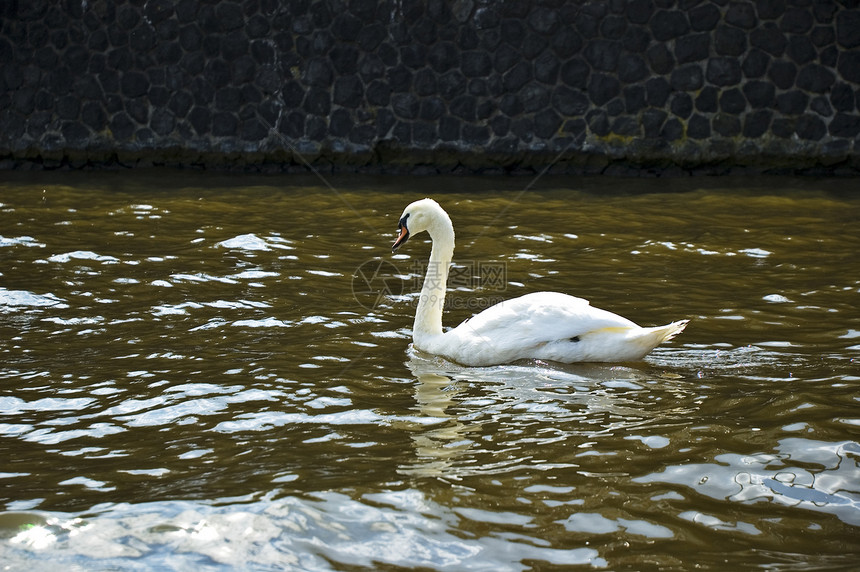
(214, 372)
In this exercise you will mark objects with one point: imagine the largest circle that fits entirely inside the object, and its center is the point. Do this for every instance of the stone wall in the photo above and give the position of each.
(617, 86)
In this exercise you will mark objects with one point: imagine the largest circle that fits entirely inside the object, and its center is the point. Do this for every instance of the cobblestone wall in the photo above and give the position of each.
(619, 86)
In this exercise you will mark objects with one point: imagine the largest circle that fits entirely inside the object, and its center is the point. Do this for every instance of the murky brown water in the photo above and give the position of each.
(212, 373)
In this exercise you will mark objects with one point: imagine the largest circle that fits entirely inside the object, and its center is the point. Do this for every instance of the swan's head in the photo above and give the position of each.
(419, 216)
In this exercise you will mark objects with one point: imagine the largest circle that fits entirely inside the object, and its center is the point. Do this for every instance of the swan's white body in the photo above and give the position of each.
(542, 325)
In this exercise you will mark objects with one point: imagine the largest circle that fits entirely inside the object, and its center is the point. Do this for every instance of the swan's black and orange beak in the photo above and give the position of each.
(403, 236)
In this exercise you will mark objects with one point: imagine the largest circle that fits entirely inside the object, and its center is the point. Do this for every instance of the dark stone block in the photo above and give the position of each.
(769, 38)
(293, 94)
(755, 64)
(792, 102)
(134, 84)
(400, 78)
(424, 133)
(127, 17)
(667, 25)
(695, 47)
(603, 54)
(443, 57)
(449, 128)
(726, 124)
(575, 73)
(706, 100)
(76, 59)
(848, 28)
(568, 102)
(732, 101)
(228, 99)
(138, 109)
(636, 40)
(657, 91)
(317, 101)
(93, 116)
(217, 72)
(372, 67)
(730, 41)
(770, 9)
(543, 20)
(801, 49)
(378, 93)
(513, 32)
(849, 66)
(821, 106)
(476, 64)
(546, 68)
(587, 25)
(451, 84)
(431, 108)
(822, 36)
(200, 119)
(500, 125)
(742, 15)
(142, 38)
(229, 16)
(652, 122)
(687, 78)
(363, 135)
(810, 127)
(815, 78)
(845, 125)
(602, 88)
(757, 123)
(533, 45)
(547, 123)
(121, 127)
(565, 43)
(505, 58)
(74, 132)
(316, 128)
(348, 91)
(760, 94)
(672, 130)
(511, 105)
(476, 134)
(68, 107)
(829, 56)
(639, 11)
(632, 68)
(467, 39)
(340, 123)
(523, 128)
(704, 18)
(518, 76)
(599, 122)
(158, 10)
(796, 20)
(464, 107)
(842, 97)
(613, 27)
(371, 37)
(782, 74)
(534, 97)
(634, 99)
(723, 71)
(698, 127)
(385, 120)
(413, 56)
(319, 72)
(783, 127)
(660, 59)
(162, 121)
(626, 126)
(405, 105)
(681, 105)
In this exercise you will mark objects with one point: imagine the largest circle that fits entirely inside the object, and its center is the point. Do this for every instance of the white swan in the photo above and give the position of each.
(542, 325)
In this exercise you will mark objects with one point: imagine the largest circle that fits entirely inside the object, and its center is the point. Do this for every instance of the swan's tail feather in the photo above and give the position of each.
(669, 331)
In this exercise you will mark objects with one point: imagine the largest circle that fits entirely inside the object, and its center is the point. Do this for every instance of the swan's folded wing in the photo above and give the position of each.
(538, 318)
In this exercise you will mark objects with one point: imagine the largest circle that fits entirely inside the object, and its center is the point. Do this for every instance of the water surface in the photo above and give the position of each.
(213, 372)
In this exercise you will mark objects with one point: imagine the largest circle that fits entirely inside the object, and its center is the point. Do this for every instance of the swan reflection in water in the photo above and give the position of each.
(577, 402)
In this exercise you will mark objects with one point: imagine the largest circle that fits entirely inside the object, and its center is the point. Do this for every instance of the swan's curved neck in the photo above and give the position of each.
(428, 316)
